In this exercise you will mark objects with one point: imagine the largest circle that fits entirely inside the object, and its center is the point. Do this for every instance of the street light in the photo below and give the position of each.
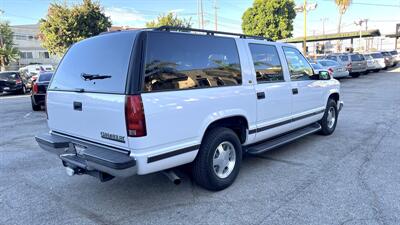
(359, 23)
(304, 8)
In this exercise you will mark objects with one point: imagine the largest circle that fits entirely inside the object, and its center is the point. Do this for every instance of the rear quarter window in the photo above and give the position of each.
(45, 77)
(103, 55)
(176, 61)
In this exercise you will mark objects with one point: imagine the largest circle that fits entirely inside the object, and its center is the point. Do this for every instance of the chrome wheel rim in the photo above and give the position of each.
(224, 159)
(331, 118)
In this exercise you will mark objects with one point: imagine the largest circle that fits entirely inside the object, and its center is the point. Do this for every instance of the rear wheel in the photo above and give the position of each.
(329, 120)
(355, 75)
(23, 90)
(218, 161)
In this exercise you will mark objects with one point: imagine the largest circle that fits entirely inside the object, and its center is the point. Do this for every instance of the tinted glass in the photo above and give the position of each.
(356, 57)
(329, 63)
(368, 57)
(298, 65)
(385, 53)
(102, 56)
(182, 61)
(316, 66)
(393, 52)
(344, 58)
(377, 55)
(331, 58)
(266, 62)
(9, 76)
(45, 77)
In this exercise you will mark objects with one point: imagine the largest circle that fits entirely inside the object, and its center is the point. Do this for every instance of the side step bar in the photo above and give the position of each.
(283, 139)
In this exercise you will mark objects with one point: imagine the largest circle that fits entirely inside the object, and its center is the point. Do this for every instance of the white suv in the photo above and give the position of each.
(138, 102)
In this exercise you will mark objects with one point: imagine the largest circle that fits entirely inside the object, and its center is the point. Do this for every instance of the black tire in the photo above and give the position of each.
(203, 168)
(377, 70)
(366, 72)
(327, 128)
(23, 90)
(35, 107)
(355, 75)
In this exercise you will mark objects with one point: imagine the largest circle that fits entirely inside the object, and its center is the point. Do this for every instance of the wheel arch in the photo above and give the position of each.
(238, 123)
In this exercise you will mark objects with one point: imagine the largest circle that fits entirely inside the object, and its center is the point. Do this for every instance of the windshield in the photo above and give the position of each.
(45, 77)
(98, 64)
(8, 76)
(344, 58)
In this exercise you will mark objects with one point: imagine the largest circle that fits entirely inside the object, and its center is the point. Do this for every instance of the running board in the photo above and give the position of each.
(282, 139)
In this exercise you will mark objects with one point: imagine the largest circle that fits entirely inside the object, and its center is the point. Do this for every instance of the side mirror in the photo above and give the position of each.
(324, 75)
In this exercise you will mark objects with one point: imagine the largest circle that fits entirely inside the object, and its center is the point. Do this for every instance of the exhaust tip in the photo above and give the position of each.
(70, 171)
(172, 177)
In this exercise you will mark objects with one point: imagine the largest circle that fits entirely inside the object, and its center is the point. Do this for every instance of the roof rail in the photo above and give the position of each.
(209, 32)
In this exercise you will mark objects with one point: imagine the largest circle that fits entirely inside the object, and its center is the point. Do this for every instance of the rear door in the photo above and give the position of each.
(274, 97)
(86, 97)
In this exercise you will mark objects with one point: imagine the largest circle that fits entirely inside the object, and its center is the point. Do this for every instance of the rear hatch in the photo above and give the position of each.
(8, 80)
(86, 97)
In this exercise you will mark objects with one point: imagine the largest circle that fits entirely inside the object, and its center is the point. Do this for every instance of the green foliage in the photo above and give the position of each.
(63, 25)
(169, 19)
(269, 18)
(8, 52)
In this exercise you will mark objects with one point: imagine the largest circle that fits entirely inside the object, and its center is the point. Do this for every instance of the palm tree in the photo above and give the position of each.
(8, 53)
(342, 5)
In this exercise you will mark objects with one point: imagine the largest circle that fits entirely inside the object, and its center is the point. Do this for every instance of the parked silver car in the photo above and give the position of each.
(334, 68)
(354, 62)
(396, 56)
(379, 60)
(389, 60)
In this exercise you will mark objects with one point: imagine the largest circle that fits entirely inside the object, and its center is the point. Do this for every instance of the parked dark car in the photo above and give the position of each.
(12, 82)
(39, 88)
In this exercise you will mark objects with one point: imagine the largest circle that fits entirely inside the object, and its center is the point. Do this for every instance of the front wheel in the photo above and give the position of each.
(355, 75)
(218, 161)
(329, 120)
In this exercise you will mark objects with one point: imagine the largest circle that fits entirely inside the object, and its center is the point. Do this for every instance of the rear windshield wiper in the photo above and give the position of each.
(87, 76)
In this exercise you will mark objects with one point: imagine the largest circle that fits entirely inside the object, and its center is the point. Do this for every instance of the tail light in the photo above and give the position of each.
(35, 88)
(18, 81)
(134, 116)
(330, 70)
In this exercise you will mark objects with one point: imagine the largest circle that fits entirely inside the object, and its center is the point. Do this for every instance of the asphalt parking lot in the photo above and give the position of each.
(350, 177)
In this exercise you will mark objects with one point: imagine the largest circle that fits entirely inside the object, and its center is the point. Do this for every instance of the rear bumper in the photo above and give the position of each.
(87, 158)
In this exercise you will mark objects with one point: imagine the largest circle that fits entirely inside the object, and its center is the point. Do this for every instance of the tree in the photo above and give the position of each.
(342, 5)
(269, 18)
(8, 52)
(169, 19)
(64, 26)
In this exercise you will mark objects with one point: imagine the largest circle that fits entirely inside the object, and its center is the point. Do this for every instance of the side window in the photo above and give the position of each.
(344, 58)
(266, 63)
(299, 68)
(184, 61)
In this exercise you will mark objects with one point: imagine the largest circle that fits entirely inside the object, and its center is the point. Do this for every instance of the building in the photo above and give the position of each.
(26, 39)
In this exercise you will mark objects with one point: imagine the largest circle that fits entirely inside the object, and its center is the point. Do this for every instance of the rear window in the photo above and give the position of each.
(331, 58)
(356, 57)
(344, 58)
(328, 63)
(316, 66)
(104, 56)
(177, 61)
(377, 55)
(45, 77)
(393, 52)
(9, 76)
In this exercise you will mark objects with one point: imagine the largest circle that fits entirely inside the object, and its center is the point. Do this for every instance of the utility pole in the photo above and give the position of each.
(304, 8)
(216, 15)
(202, 14)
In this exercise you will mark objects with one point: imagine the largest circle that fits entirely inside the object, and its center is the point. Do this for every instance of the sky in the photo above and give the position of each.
(382, 14)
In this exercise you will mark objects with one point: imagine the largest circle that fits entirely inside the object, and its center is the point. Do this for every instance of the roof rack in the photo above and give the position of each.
(209, 32)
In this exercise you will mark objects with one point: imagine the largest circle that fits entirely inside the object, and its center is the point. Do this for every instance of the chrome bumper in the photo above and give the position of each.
(86, 158)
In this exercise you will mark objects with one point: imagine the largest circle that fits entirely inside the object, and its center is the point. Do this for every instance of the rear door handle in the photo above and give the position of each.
(295, 91)
(260, 95)
(78, 106)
